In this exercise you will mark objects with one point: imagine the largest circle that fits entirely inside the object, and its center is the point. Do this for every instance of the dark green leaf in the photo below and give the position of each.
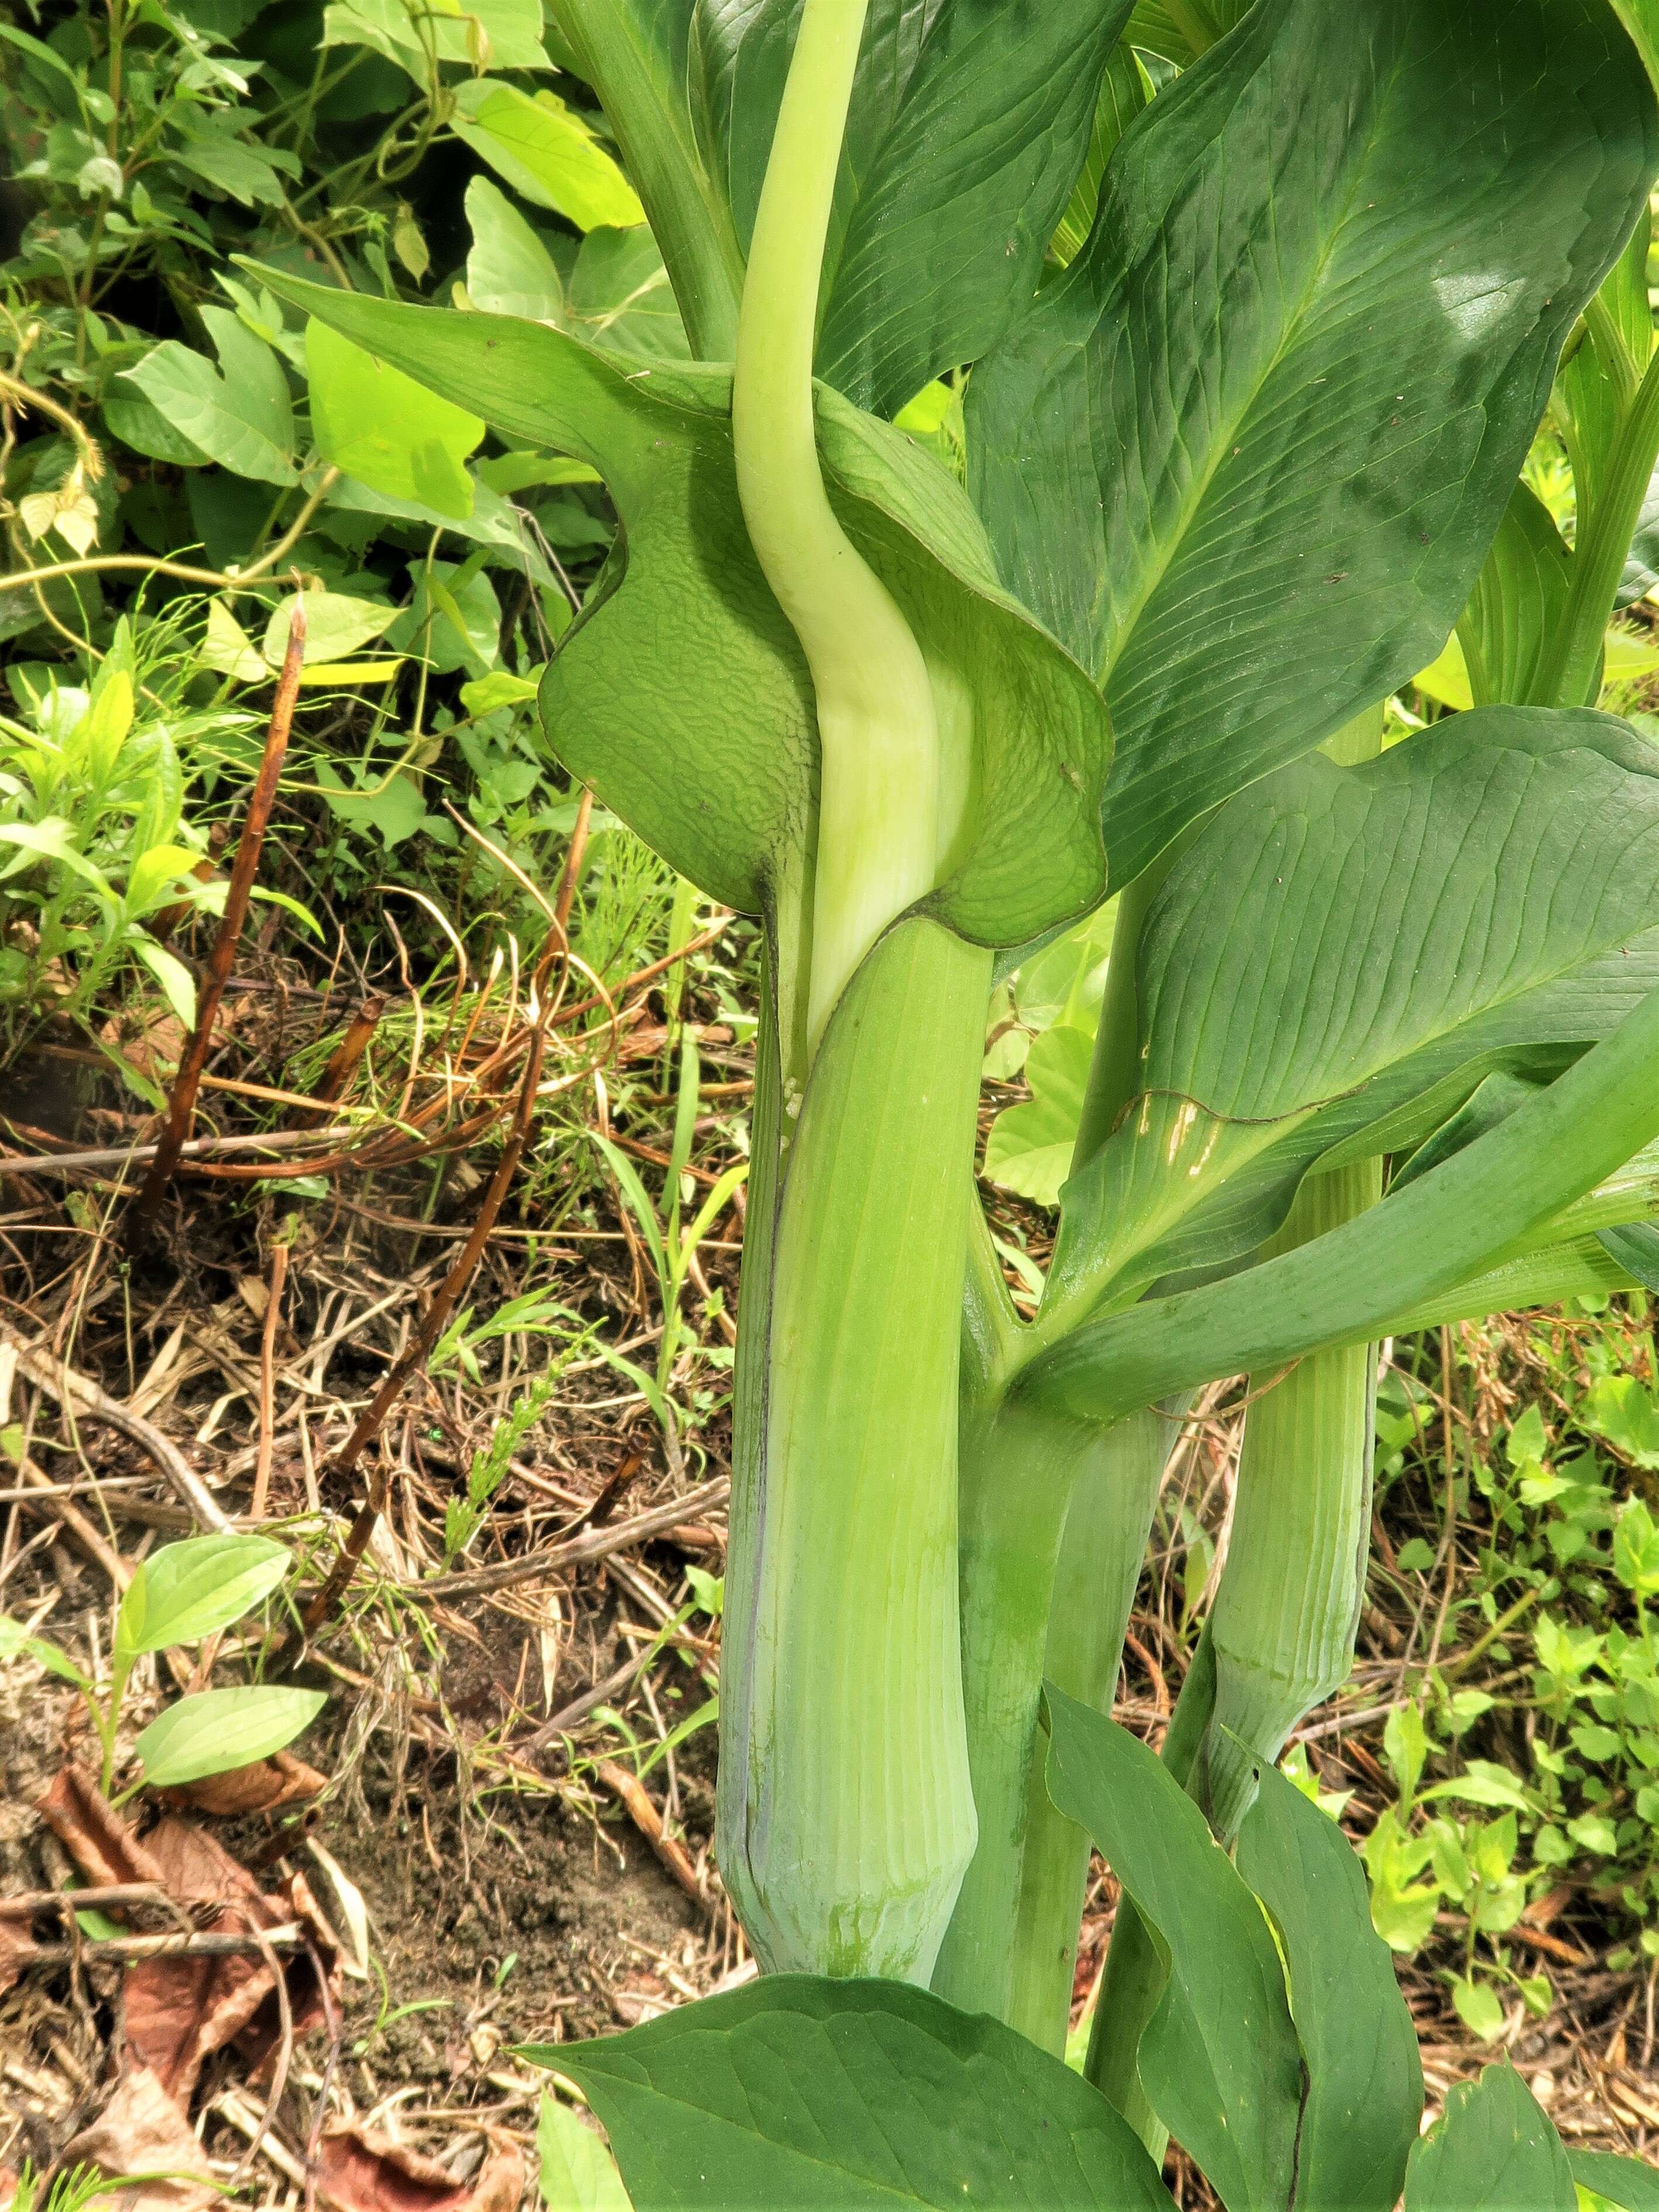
(1365, 2078)
(1218, 2061)
(968, 125)
(1379, 1274)
(1635, 1246)
(1246, 455)
(639, 697)
(801, 2095)
(1495, 2151)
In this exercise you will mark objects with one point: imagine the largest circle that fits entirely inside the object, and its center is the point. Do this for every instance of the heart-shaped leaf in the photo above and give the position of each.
(680, 694)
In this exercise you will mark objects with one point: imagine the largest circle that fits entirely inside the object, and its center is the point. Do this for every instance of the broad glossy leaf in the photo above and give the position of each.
(1220, 2061)
(639, 698)
(376, 424)
(1494, 1201)
(1364, 2077)
(237, 413)
(1495, 2151)
(218, 1730)
(545, 151)
(1245, 456)
(577, 2172)
(1519, 599)
(1626, 2182)
(185, 1590)
(1344, 952)
(801, 2095)
(968, 125)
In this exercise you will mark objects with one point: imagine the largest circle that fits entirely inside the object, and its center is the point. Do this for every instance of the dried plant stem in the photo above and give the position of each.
(182, 1105)
(268, 1381)
(372, 1417)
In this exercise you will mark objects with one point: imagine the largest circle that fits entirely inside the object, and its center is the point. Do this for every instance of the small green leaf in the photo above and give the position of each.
(335, 625)
(545, 152)
(1029, 1148)
(1415, 1556)
(237, 413)
(381, 427)
(578, 2174)
(1495, 2151)
(1478, 2008)
(509, 271)
(15, 1641)
(1619, 1408)
(184, 1591)
(218, 1730)
(1405, 1745)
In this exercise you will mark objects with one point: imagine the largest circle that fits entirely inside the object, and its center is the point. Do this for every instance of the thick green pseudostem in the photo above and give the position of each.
(846, 1814)
(1286, 1614)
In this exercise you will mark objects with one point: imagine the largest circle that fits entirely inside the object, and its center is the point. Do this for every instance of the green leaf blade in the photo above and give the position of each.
(187, 1590)
(216, 1731)
(1305, 502)
(1364, 2077)
(802, 2096)
(1495, 2151)
(1219, 2060)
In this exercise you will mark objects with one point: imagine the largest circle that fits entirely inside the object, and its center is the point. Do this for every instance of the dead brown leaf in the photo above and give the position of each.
(359, 2171)
(142, 2131)
(261, 1788)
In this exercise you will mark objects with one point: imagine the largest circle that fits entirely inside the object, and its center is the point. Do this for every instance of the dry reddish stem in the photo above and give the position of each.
(649, 1822)
(268, 1381)
(182, 1105)
(572, 861)
(343, 1061)
(372, 1417)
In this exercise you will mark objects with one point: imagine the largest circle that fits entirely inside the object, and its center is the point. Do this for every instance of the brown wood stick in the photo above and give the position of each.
(105, 1896)
(649, 1822)
(268, 1381)
(591, 1544)
(181, 1106)
(125, 1948)
(81, 1397)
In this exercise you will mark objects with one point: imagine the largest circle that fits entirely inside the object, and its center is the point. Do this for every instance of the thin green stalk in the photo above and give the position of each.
(1102, 1554)
(878, 730)
(1285, 1616)
(1570, 671)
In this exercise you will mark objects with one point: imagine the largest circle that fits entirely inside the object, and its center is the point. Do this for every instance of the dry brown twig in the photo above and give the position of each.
(181, 1106)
